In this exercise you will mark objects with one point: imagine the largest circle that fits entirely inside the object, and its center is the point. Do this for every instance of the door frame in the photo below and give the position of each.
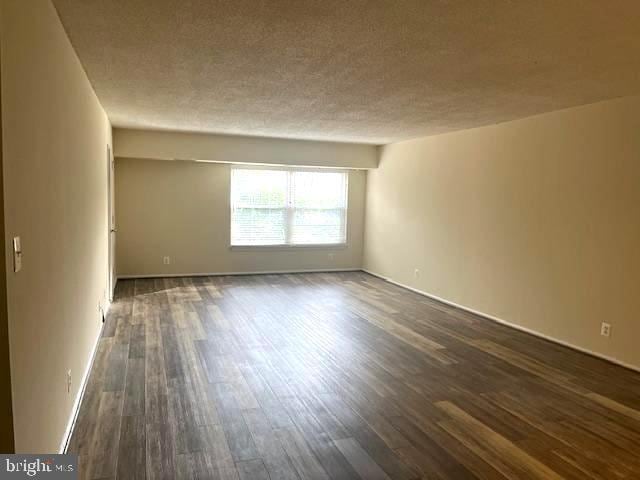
(111, 226)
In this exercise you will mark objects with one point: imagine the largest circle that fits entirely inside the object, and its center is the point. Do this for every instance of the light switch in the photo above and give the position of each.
(17, 254)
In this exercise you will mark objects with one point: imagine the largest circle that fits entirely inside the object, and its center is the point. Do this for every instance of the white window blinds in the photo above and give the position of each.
(288, 207)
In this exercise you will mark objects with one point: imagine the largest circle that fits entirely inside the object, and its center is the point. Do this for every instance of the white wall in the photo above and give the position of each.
(534, 221)
(55, 191)
(181, 209)
(165, 145)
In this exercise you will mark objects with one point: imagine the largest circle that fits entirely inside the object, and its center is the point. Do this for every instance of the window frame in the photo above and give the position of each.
(289, 209)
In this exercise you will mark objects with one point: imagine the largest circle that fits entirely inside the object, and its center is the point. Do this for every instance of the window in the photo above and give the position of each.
(288, 207)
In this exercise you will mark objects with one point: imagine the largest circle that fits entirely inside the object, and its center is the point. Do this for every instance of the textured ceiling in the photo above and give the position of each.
(353, 70)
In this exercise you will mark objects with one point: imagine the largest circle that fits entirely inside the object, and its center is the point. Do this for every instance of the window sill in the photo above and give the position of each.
(318, 246)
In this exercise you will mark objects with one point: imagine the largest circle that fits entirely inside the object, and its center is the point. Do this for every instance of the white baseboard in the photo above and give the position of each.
(221, 274)
(509, 324)
(83, 385)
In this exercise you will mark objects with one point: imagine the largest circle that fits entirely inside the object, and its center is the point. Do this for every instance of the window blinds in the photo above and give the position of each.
(288, 207)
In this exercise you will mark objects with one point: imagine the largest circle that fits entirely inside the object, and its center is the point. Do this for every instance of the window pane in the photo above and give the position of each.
(258, 201)
(319, 190)
(258, 188)
(278, 207)
(258, 226)
(319, 206)
(317, 226)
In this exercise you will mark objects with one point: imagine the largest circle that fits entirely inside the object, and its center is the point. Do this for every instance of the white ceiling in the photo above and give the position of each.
(354, 70)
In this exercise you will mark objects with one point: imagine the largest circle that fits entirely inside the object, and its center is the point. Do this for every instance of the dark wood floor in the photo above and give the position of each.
(341, 376)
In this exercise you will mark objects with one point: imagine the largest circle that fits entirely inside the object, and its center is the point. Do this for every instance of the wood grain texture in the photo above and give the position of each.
(341, 376)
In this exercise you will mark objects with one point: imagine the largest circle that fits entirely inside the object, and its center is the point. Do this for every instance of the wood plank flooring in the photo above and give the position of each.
(341, 376)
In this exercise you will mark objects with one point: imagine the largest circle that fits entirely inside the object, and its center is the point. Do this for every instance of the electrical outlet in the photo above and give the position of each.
(605, 329)
(166, 260)
(416, 273)
(331, 256)
(68, 381)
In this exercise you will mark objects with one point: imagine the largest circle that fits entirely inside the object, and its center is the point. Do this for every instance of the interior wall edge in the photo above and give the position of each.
(7, 441)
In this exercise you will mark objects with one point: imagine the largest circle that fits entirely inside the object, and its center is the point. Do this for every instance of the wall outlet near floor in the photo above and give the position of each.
(416, 273)
(331, 255)
(68, 381)
(605, 329)
(166, 260)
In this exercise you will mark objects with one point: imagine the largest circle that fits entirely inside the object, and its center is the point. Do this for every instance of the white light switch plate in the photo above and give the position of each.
(17, 254)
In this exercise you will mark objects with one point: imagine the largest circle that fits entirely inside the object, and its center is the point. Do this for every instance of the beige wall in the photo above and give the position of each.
(55, 140)
(181, 209)
(165, 145)
(535, 221)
